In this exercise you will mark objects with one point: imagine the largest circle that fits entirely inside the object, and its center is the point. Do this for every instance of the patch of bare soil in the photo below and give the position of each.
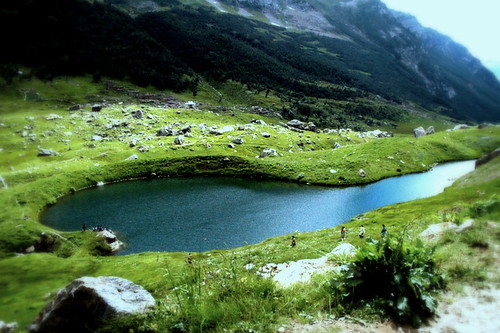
(472, 311)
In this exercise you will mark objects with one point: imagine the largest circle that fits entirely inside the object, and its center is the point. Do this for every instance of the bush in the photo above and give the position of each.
(395, 274)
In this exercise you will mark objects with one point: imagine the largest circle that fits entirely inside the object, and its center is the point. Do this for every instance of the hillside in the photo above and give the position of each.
(355, 64)
(88, 146)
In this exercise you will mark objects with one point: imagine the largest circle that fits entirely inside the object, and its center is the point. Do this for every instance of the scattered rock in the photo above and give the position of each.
(132, 157)
(53, 116)
(430, 130)
(265, 134)
(96, 138)
(461, 127)
(238, 141)
(362, 173)
(99, 184)
(258, 122)
(179, 140)
(268, 152)
(165, 132)
(137, 114)
(86, 303)
(344, 249)
(30, 249)
(485, 125)
(75, 107)
(96, 108)
(47, 152)
(419, 132)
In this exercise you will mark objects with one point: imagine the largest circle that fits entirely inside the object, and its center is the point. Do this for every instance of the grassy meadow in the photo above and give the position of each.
(216, 293)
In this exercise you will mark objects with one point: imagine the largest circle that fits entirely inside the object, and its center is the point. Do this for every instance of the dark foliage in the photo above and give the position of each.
(68, 37)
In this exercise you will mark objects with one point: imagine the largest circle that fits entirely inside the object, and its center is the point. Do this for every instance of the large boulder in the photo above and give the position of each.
(419, 131)
(86, 303)
(47, 152)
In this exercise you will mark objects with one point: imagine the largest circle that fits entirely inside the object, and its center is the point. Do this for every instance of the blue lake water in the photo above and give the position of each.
(201, 214)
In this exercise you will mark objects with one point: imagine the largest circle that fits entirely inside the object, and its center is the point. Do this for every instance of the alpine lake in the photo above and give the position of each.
(208, 213)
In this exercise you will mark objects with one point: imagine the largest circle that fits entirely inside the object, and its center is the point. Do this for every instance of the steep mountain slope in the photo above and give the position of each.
(431, 65)
(331, 61)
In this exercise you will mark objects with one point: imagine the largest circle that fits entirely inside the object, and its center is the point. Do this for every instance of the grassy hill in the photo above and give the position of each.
(35, 115)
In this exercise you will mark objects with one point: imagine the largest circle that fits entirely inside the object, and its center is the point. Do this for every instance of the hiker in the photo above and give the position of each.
(384, 230)
(293, 243)
(84, 227)
(190, 259)
(342, 233)
(362, 232)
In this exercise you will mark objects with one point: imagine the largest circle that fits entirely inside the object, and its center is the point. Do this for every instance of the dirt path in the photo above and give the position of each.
(472, 311)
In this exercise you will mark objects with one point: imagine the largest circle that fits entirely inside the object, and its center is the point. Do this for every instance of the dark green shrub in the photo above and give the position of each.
(395, 275)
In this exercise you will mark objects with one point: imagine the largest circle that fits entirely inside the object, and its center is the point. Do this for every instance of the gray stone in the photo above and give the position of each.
(268, 152)
(238, 141)
(86, 303)
(344, 249)
(430, 130)
(53, 116)
(485, 125)
(96, 108)
(265, 134)
(419, 132)
(75, 107)
(165, 132)
(132, 157)
(137, 114)
(461, 127)
(362, 173)
(96, 138)
(47, 152)
(179, 140)
(258, 122)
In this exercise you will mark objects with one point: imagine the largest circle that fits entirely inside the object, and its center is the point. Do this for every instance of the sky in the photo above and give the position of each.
(473, 23)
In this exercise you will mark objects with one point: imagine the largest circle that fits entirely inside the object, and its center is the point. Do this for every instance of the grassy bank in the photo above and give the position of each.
(93, 147)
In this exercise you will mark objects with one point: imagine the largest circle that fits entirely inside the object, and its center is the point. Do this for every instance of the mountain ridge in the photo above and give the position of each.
(355, 51)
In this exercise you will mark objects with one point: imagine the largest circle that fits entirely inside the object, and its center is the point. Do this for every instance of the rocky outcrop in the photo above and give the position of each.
(485, 159)
(301, 271)
(86, 303)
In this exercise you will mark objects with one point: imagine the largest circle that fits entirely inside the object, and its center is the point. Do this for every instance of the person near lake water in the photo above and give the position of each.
(84, 227)
(362, 232)
(384, 231)
(293, 242)
(342, 233)
(190, 259)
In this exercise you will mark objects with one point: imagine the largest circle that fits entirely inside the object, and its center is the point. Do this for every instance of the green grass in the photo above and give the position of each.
(27, 281)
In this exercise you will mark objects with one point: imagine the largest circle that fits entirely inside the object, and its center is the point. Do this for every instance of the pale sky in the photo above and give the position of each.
(473, 23)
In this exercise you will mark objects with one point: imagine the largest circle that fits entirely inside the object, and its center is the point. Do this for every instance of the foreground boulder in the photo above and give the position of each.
(86, 303)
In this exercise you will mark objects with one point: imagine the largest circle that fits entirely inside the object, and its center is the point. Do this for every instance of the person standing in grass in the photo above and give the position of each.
(293, 242)
(342, 233)
(384, 230)
(362, 232)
